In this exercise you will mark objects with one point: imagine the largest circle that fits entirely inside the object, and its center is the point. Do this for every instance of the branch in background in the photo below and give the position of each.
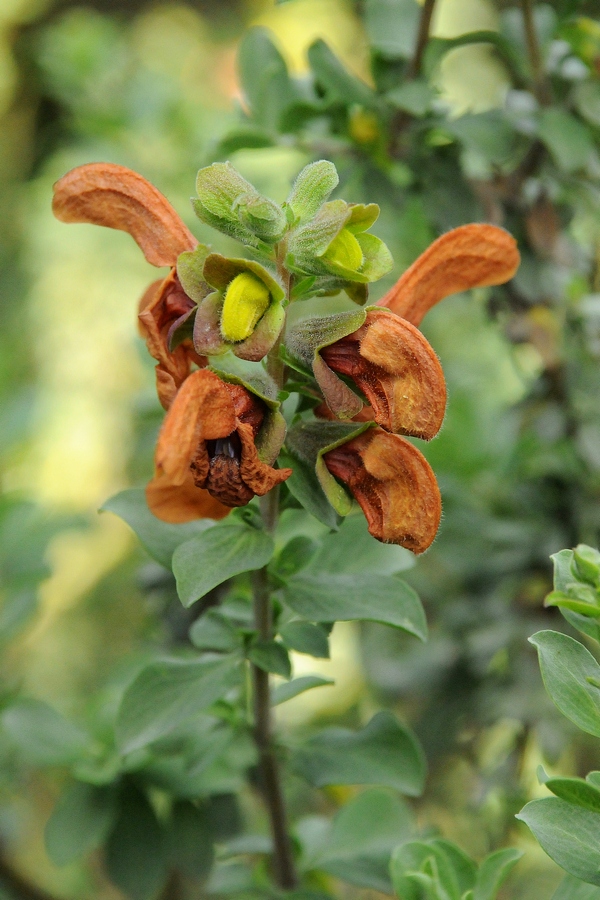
(402, 119)
(541, 87)
(414, 67)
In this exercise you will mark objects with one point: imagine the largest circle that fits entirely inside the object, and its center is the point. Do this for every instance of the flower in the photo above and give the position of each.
(394, 485)
(396, 369)
(244, 313)
(114, 196)
(207, 460)
(471, 256)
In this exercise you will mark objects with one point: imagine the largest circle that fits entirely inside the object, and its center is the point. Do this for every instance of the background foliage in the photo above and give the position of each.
(504, 130)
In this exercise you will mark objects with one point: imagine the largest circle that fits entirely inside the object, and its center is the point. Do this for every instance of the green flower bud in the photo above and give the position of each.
(345, 251)
(246, 300)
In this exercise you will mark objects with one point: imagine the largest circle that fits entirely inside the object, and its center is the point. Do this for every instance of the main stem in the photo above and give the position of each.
(270, 777)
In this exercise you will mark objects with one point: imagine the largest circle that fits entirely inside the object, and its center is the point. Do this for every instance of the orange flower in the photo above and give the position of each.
(397, 371)
(206, 459)
(466, 257)
(394, 485)
(114, 196)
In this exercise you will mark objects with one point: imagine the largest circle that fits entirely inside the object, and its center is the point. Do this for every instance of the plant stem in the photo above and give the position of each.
(541, 87)
(268, 766)
(414, 67)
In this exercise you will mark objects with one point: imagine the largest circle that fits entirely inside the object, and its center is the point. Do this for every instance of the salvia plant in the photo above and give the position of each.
(280, 382)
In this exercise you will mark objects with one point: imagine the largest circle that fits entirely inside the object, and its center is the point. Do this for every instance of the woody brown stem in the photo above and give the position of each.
(270, 776)
(541, 87)
(414, 68)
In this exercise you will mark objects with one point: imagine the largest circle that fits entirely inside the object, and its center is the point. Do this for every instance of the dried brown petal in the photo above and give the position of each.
(161, 305)
(397, 370)
(181, 503)
(114, 196)
(467, 257)
(393, 483)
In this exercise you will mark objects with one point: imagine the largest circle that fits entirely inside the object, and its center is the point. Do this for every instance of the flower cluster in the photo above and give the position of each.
(234, 337)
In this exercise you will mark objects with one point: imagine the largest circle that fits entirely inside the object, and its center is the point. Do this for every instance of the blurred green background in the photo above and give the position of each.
(154, 87)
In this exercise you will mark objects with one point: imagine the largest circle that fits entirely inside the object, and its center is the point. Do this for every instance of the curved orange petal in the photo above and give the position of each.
(467, 257)
(394, 484)
(395, 367)
(114, 196)
(183, 502)
(258, 476)
(201, 410)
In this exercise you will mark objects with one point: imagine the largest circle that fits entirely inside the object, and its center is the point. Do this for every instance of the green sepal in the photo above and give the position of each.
(306, 337)
(310, 440)
(265, 218)
(362, 216)
(181, 330)
(260, 342)
(311, 189)
(219, 188)
(271, 436)
(207, 337)
(313, 238)
(190, 266)
(249, 375)
(219, 271)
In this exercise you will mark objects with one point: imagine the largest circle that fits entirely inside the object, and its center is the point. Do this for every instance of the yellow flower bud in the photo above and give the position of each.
(345, 251)
(246, 299)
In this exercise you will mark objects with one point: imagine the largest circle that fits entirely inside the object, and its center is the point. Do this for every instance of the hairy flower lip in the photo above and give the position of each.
(475, 255)
(116, 197)
(206, 410)
(394, 485)
(396, 369)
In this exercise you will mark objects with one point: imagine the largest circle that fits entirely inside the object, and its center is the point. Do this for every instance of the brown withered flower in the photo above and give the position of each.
(116, 197)
(397, 371)
(394, 485)
(206, 459)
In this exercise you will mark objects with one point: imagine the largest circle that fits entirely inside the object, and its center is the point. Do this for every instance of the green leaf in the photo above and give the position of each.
(311, 188)
(265, 79)
(367, 597)
(304, 486)
(576, 791)
(304, 637)
(287, 691)
(159, 538)
(573, 889)
(392, 27)
(135, 856)
(214, 631)
(338, 83)
(437, 48)
(220, 187)
(219, 553)
(586, 563)
(270, 656)
(189, 847)
(296, 555)
(362, 837)
(414, 97)
(568, 139)
(586, 95)
(566, 665)
(438, 866)
(568, 834)
(43, 736)
(493, 872)
(383, 752)
(79, 822)
(563, 569)
(168, 693)
(354, 551)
